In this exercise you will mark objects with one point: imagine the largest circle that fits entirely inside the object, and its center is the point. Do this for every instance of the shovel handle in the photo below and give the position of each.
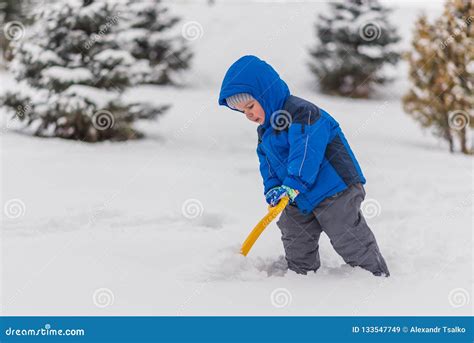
(273, 212)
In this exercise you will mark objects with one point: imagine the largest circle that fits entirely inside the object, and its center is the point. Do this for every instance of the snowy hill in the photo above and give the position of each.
(153, 227)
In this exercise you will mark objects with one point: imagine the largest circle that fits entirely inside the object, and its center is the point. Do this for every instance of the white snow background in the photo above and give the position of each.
(153, 227)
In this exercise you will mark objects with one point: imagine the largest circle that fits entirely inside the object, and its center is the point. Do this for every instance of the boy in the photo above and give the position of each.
(304, 155)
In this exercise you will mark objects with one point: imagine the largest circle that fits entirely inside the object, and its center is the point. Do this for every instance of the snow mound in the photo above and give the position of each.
(229, 264)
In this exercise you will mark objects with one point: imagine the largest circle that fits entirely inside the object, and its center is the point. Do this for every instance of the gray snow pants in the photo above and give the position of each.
(339, 216)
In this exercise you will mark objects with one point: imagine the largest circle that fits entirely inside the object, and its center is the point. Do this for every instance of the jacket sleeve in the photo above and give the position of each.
(307, 148)
(270, 179)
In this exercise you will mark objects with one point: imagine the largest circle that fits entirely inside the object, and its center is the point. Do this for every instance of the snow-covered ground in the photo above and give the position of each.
(111, 228)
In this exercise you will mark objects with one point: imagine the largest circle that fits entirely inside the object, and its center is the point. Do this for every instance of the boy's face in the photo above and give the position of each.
(252, 110)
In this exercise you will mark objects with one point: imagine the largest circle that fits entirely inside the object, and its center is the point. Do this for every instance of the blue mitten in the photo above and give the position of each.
(274, 195)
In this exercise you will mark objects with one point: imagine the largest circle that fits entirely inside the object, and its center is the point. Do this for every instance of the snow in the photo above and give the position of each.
(129, 35)
(39, 55)
(470, 67)
(72, 75)
(110, 56)
(158, 222)
(371, 51)
(99, 97)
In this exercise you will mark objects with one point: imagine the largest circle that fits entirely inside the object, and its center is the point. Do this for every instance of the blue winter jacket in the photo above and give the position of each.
(299, 145)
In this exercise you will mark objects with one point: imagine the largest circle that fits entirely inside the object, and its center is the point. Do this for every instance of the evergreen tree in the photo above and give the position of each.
(147, 32)
(355, 42)
(442, 74)
(14, 16)
(71, 74)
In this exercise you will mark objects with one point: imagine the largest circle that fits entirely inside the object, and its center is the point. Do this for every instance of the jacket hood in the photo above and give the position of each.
(249, 74)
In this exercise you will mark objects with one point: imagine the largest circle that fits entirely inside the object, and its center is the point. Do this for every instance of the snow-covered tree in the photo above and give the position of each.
(355, 41)
(149, 32)
(14, 16)
(441, 95)
(71, 74)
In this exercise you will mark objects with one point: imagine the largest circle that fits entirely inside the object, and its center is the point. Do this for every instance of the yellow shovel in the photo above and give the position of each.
(273, 212)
